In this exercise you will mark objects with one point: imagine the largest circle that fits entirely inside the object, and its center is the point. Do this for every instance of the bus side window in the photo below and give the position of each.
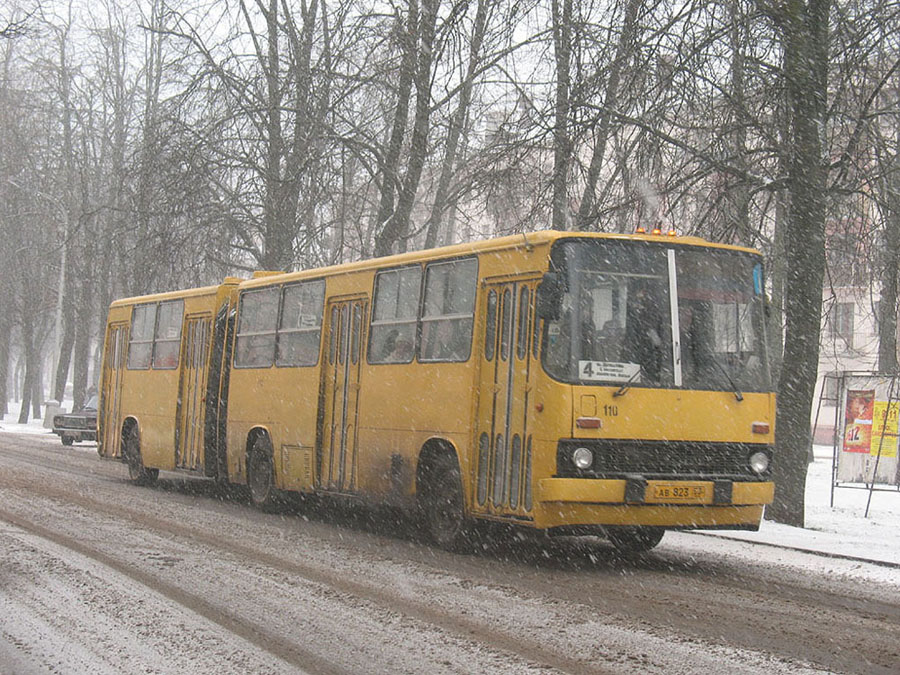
(167, 342)
(257, 317)
(505, 331)
(392, 333)
(490, 327)
(140, 343)
(300, 327)
(448, 310)
(522, 329)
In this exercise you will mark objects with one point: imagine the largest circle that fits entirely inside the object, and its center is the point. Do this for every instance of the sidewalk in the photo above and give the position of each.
(843, 530)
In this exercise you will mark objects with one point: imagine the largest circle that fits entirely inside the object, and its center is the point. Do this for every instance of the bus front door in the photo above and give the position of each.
(503, 425)
(190, 414)
(111, 390)
(337, 461)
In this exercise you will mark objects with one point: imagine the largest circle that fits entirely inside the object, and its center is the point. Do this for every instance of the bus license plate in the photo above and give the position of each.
(680, 493)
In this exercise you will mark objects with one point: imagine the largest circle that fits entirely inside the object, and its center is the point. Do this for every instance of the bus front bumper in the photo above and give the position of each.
(661, 503)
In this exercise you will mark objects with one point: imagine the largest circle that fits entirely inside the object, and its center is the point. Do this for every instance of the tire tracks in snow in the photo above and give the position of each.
(465, 628)
(252, 633)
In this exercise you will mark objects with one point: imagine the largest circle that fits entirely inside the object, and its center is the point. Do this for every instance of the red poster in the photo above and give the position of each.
(858, 420)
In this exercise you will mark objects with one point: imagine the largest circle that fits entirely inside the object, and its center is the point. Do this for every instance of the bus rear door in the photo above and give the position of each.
(111, 389)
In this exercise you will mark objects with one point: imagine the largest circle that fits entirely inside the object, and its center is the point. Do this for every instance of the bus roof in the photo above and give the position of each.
(175, 295)
(521, 240)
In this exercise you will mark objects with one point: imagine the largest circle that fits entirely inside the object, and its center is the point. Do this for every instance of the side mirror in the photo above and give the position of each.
(549, 297)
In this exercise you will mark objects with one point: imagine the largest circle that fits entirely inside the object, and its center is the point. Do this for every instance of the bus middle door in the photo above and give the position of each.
(191, 411)
(337, 463)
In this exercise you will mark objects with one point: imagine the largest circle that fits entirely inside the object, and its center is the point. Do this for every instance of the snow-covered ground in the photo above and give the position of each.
(841, 530)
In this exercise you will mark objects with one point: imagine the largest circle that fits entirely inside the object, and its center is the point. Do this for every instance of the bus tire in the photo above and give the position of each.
(137, 472)
(634, 539)
(67, 440)
(443, 505)
(261, 474)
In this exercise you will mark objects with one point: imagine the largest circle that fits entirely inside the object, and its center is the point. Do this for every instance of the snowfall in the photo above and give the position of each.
(837, 525)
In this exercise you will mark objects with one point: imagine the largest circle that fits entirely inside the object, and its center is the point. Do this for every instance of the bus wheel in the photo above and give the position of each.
(443, 506)
(261, 475)
(67, 440)
(137, 472)
(634, 539)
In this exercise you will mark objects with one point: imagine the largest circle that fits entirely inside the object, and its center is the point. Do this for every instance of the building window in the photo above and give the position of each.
(841, 324)
(830, 386)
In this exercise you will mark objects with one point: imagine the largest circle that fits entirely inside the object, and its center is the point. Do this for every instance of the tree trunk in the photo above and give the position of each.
(777, 274)
(4, 359)
(586, 216)
(418, 146)
(890, 272)
(890, 279)
(738, 197)
(37, 398)
(308, 116)
(82, 347)
(457, 122)
(30, 367)
(385, 229)
(562, 151)
(274, 244)
(68, 336)
(804, 26)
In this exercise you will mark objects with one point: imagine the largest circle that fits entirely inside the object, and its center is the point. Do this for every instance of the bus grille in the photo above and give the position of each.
(615, 458)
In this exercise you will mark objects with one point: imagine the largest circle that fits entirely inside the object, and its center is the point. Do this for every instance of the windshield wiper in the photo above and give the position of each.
(621, 390)
(734, 388)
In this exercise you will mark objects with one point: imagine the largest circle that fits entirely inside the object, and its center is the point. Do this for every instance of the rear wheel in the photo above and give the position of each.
(261, 474)
(634, 539)
(443, 506)
(67, 440)
(137, 472)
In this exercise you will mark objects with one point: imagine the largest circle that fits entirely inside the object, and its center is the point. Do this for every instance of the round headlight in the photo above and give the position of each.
(759, 462)
(582, 458)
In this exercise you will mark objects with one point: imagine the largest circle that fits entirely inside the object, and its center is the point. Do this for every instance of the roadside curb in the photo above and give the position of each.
(811, 551)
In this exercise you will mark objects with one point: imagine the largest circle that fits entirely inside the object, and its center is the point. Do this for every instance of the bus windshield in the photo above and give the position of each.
(616, 323)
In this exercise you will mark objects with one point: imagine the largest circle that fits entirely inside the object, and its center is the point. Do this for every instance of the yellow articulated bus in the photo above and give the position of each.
(573, 383)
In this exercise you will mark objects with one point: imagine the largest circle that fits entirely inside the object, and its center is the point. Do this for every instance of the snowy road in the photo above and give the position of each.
(99, 576)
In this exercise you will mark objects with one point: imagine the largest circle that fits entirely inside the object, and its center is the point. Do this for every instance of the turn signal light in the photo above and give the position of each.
(760, 427)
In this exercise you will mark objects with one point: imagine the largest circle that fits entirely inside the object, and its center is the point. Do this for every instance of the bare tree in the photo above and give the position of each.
(804, 32)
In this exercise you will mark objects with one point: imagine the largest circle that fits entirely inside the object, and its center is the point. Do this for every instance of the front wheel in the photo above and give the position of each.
(634, 539)
(137, 472)
(443, 505)
(67, 440)
(261, 475)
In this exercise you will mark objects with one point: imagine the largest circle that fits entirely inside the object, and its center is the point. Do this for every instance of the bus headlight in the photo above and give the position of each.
(759, 462)
(582, 458)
